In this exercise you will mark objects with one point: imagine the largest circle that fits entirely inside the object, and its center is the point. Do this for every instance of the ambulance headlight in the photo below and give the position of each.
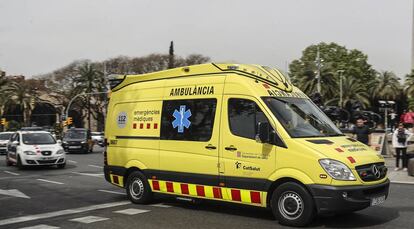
(337, 170)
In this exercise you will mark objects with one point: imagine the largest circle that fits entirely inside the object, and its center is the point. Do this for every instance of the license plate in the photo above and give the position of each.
(377, 200)
(74, 147)
(46, 158)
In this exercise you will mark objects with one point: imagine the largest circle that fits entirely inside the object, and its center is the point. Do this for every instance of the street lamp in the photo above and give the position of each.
(340, 72)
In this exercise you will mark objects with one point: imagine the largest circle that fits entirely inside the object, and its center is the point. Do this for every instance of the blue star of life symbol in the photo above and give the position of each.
(181, 119)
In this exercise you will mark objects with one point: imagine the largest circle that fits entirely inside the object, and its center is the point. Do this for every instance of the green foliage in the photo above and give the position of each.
(387, 86)
(359, 76)
(14, 125)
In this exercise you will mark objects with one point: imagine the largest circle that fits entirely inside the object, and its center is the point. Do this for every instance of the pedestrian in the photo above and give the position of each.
(362, 132)
(403, 116)
(409, 119)
(400, 139)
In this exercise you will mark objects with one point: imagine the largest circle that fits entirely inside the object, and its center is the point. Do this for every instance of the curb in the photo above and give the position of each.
(402, 182)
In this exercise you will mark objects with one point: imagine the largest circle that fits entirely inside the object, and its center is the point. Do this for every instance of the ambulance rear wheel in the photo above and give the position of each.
(292, 205)
(138, 189)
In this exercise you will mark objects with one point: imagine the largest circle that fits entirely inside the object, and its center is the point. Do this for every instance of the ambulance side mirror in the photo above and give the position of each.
(263, 132)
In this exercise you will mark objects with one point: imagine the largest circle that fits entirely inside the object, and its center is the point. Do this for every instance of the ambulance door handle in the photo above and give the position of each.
(210, 146)
(230, 148)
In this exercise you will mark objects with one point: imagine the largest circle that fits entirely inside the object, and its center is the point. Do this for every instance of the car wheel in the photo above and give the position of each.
(137, 188)
(292, 205)
(19, 163)
(61, 166)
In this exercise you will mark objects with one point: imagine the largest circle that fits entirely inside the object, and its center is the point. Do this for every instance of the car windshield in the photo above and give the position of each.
(75, 134)
(301, 118)
(38, 139)
(5, 136)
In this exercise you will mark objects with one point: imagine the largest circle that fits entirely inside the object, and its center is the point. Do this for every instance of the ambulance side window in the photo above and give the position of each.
(244, 116)
(188, 120)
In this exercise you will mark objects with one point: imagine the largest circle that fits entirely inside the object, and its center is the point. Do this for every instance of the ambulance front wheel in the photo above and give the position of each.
(138, 189)
(292, 205)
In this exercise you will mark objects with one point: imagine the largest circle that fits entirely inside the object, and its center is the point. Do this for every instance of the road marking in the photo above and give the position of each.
(88, 219)
(13, 192)
(161, 205)
(61, 213)
(90, 174)
(96, 166)
(74, 162)
(12, 173)
(49, 181)
(131, 211)
(113, 192)
(41, 226)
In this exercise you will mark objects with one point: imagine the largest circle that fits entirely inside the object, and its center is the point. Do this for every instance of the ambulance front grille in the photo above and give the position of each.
(372, 172)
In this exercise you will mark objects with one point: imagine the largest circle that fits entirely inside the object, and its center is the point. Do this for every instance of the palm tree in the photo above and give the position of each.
(353, 91)
(387, 86)
(89, 80)
(22, 96)
(409, 84)
(307, 82)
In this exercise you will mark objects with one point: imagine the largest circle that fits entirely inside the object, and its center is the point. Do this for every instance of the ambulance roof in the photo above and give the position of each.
(262, 73)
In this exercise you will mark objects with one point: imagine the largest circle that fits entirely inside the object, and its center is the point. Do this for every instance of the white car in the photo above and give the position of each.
(4, 139)
(31, 148)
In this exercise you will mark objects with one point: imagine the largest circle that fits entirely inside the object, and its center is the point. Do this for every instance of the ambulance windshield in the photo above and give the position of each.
(301, 118)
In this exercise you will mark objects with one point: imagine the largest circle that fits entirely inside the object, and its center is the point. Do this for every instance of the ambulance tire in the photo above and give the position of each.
(138, 189)
(292, 205)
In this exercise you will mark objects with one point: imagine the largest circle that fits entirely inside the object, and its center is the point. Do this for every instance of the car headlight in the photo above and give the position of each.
(29, 153)
(83, 142)
(64, 142)
(337, 170)
(61, 151)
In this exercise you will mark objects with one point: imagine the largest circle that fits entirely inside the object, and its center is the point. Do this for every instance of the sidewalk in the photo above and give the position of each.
(399, 176)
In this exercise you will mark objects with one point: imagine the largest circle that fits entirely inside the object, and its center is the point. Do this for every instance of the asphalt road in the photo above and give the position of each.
(79, 197)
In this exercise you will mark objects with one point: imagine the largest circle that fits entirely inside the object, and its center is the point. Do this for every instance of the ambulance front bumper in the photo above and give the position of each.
(341, 199)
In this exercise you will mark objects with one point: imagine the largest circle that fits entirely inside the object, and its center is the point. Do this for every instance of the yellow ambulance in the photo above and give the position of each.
(236, 133)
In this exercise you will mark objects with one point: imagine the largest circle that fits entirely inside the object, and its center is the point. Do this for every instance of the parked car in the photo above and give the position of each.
(4, 139)
(98, 138)
(34, 148)
(77, 140)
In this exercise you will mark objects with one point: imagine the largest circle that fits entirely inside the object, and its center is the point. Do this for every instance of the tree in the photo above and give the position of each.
(89, 80)
(387, 86)
(334, 57)
(23, 96)
(171, 56)
(409, 84)
(353, 92)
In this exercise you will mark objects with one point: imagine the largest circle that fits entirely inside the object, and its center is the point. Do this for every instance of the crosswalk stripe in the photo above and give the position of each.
(161, 205)
(88, 219)
(131, 211)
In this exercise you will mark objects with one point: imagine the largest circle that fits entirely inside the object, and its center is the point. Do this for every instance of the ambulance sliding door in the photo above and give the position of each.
(190, 132)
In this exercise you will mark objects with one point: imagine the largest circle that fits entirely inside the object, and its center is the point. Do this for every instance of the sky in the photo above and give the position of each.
(39, 36)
